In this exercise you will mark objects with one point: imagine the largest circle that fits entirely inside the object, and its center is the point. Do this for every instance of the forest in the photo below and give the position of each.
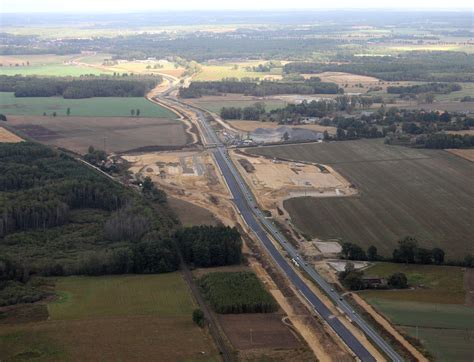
(59, 217)
(76, 88)
(259, 89)
(206, 246)
(410, 66)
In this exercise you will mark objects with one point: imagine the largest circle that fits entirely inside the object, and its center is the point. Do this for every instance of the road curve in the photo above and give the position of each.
(261, 227)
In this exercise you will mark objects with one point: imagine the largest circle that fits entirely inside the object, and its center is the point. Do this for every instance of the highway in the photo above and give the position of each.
(259, 224)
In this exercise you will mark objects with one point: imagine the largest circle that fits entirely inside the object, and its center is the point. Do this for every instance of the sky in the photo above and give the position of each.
(29, 6)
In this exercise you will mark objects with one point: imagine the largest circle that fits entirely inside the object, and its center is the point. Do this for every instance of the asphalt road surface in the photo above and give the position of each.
(257, 221)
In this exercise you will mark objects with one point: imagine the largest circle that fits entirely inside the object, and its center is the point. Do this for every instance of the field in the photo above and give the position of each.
(8, 137)
(89, 107)
(403, 191)
(234, 70)
(119, 133)
(433, 309)
(215, 103)
(190, 214)
(44, 65)
(127, 317)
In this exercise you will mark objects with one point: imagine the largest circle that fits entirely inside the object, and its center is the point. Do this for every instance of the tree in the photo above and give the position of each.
(3, 117)
(132, 112)
(423, 256)
(137, 112)
(352, 252)
(198, 318)
(54, 114)
(326, 135)
(405, 253)
(340, 134)
(438, 255)
(147, 184)
(68, 111)
(372, 253)
(286, 136)
(398, 281)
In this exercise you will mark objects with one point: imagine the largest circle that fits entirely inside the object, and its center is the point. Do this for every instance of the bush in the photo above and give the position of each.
(198, 318)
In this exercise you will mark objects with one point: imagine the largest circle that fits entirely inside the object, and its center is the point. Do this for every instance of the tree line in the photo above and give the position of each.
(441, 88)
(258, 89)
(407, 252)
(77, 88)
(409, 66)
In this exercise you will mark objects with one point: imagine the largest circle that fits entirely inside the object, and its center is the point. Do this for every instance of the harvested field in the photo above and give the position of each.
(468, 154)
(250, 126)
(88, 107)
(8, 137)
(250, 331)
(120, 317)
(120, 133)
(403, 191)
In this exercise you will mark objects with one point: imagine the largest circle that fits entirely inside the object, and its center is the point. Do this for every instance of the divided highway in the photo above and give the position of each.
(260, 225)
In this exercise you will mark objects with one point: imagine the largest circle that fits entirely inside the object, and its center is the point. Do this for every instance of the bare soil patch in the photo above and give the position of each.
(8, 137)
(118, 133)
(250, 126)
(250, 331)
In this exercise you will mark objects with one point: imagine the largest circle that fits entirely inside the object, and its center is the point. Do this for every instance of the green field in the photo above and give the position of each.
(84, 297)
(220, 71)
(432, 283)
(432, 310)
(89, 107)
(128, 317)
(59, 70)
(402, 191)
(445, 330)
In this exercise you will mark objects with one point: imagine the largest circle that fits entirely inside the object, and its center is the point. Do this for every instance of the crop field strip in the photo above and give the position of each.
(403, 191)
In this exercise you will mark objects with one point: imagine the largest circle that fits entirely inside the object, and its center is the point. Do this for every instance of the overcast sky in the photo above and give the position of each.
(142, 5)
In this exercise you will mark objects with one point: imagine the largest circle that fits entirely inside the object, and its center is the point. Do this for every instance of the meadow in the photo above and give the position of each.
(432, 310)
(45, 65)
(402, 191)
(88, 107)
(211, 72)
(216, 103)
(129, 317)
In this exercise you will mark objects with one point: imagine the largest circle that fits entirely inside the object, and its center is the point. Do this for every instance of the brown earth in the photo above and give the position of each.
(8, 137)
(259, 330)
(120, 133)
(250, 126)
(468, 154)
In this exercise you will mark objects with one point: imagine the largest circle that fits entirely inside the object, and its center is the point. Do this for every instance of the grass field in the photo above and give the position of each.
(432, 309)
(89, 107)
(119, 133)
(45, 65)
(215, 104)
(127, 317)
(431, 283)
(227, 70)
(403, 191)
